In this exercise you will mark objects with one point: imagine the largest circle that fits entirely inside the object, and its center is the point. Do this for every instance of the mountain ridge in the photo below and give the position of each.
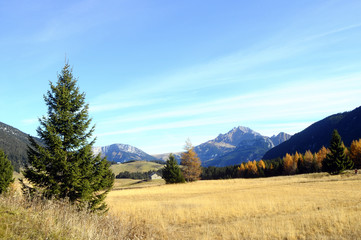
(14, 143)
(121, 153)
(240, 144)
(319, 133)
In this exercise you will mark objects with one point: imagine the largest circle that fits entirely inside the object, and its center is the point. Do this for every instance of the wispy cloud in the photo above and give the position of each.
(333, 31)
(122, 104)
(293, 103)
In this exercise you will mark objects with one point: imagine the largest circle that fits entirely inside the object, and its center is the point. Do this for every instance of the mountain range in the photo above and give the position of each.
(240, 144)
(122, 153)
(348, 124)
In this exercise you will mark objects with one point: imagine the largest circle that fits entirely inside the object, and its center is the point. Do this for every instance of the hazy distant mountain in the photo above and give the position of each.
(280, 138)
(14, 143)
(241, 144)
(165, 156)
(123, 153)
(318, 134)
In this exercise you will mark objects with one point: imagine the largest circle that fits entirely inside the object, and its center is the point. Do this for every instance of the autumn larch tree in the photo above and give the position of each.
(6, 172)
(241, 170)
(308, 161)
(320, 156)
(172, 172)
(251, 169)
(336, 160)
(191, 164)
(288, 164)
(355, 153)
(64, 166)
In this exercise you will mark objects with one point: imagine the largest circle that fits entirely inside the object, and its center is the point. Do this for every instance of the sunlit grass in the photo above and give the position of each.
(315, 206)
(136, 166)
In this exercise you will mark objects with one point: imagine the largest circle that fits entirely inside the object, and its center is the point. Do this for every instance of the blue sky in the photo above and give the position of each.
(158, 72)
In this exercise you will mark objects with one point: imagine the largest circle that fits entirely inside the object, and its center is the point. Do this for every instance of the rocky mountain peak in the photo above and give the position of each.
(236, 135)
(238, 145)
(122, 153)
(280, 138)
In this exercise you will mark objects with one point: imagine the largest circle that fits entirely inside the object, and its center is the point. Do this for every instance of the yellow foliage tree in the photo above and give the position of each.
(296, 158)
(252, 168)
(308, 160)
(288, 166)
(241, 170)
(355, 153)
(261, 164)
(191, 164)
(320, 155)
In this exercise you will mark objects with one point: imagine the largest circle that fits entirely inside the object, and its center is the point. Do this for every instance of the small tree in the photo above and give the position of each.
(320, 156)
(6, 172)
(64, 166)
(252, 169)
(336, 160)
(241, 170)
(288, 165)
(171, 171)
(355, 153)
(308, 160)
(191, 163)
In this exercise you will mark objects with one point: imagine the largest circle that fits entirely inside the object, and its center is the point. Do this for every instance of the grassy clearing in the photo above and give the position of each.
(121, 184)
(137, 166)
(314, 206)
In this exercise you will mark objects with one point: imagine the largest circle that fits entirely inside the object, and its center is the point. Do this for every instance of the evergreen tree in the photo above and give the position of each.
(6, 172)
(336, 160)
(191, 163)
(64, 166)
(171, 171)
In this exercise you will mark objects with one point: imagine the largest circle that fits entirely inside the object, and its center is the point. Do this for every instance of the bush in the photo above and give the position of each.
(6, 172)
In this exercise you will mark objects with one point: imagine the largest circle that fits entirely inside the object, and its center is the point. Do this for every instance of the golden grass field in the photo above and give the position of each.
(311, 206)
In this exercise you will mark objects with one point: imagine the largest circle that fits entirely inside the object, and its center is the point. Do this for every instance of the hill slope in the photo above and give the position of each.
(14, 143)
(318, 134)
(136, 166)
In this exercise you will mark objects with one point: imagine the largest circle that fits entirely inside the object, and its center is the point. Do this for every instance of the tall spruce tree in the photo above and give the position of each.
(336, 160)
(171, 171)
(64, 166)
(6, 172)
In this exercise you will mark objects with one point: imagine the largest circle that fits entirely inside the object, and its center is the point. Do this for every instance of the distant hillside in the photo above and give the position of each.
(123, 153)
(14, 143)
(240, 144)
(136, 166)
(348, 124)
(165, 156)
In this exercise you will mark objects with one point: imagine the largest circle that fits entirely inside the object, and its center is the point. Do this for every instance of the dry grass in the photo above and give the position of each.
(315, 206)
(20, 219)
(125, 183)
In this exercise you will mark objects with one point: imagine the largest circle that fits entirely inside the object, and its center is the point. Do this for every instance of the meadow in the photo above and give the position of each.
(310, 206)
(136, 166)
